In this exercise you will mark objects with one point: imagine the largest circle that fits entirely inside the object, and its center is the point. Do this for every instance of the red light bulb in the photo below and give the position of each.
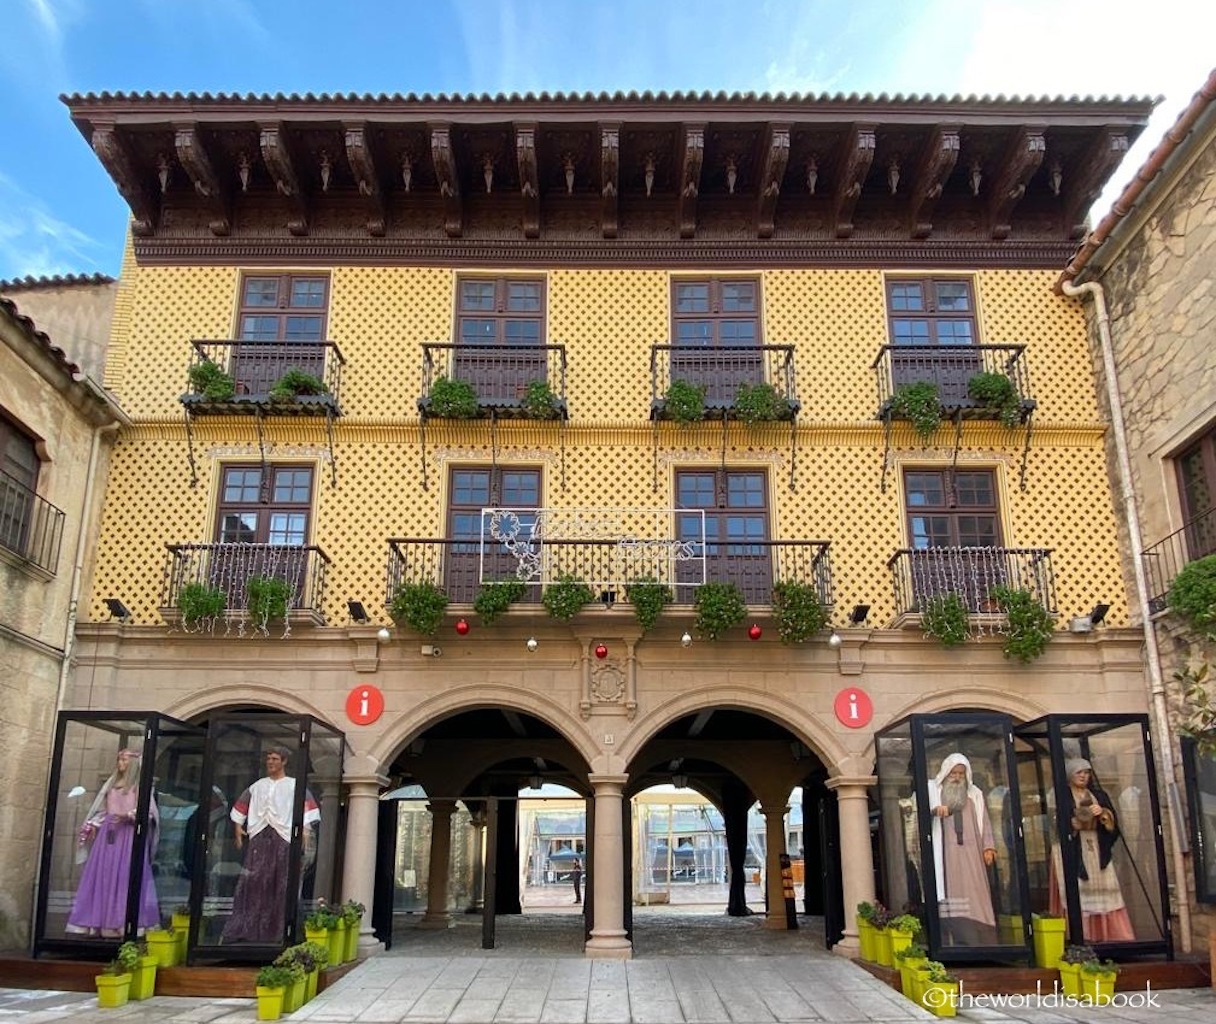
(462, 627)
(755, 632)
(601, 651)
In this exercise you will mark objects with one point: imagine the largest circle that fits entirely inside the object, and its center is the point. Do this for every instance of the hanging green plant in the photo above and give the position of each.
(648, 597)
(1028, 626)
(453, 399)
(267, 598)
(567, 597)
(539, 401)
(760, 403)
(495, 598)
(198, 602)
(684, 402)
(207, 379)
(945, 617)
(918, 403)
(1193, 595)
(420, 605)
(718, 607)
(996, 393)
(294, 383)
(798, 611)
(1200, 709)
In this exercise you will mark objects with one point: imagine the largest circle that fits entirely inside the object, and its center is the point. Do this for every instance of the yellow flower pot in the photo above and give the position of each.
(162, 944)
(337, 944)
(940, 998)
(1070, 979)
(113, 989)
(882, 947)
(865, 934)
(143, 978)
(181, 932)
(310, 984)
(270, 1002)
(351, 950)
(293, 995)
(899, 940)
(1098, 987)
(1048, 940)
(907, 975)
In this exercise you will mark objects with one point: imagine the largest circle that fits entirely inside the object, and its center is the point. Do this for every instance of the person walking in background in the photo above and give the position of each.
(576, 877)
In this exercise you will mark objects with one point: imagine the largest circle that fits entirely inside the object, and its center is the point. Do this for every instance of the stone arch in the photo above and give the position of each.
(218, 697)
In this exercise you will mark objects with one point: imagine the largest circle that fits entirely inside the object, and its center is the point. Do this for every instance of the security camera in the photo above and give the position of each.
(436, 652)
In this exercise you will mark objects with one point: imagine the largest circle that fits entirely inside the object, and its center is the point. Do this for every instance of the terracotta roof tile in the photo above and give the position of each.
(40, 338)
(56, 281)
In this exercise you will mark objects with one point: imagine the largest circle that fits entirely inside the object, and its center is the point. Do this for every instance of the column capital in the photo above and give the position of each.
(606, 783)
(849, 785)
(778, 808)
(359, 785)
(442, 807)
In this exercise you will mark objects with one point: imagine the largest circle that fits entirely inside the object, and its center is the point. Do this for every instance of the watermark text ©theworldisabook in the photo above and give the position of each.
(1038, 999)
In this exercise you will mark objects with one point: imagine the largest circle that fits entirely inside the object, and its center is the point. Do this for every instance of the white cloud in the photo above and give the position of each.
(34, 242)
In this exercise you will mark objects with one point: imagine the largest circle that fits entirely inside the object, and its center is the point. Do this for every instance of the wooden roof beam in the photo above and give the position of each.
(855, 163)
(363, 166)
(119, 165)
(936, 164)
(192, 155)
(1022, 159)
(1082, 183)
(776, 157)
(690, 178)
(446, 174)
(610, 154)
(529, 186)
(278, 162)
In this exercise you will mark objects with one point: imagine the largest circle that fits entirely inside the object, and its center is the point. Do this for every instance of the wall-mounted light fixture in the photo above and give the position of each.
(117, 609)
(1098, 614)
(686, 640)
(383, 635)
(680, 780)
(834, 640)
(859, 614)
(607, 599)
(357, 612)
(532, 645)
(536, 782)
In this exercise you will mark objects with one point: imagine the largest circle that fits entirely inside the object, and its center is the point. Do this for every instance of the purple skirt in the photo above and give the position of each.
(101, 898)
(259, 903)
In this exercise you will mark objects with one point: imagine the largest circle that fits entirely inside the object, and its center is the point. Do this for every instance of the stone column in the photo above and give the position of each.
(856, 856)
(437, 914)
(608, 939)
(477, 822)
(774, 847)
(359, 870)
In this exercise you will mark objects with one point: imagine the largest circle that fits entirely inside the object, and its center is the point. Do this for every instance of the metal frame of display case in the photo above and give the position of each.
(1050, 728)
(914, 726)
(1203, 855)
(155, 728)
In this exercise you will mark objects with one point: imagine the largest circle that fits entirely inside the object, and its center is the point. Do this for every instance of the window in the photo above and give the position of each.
(281, 326)
(1197, 487)
(736, 545)
(500, 336)
(472, 489)
(19, 464)
(954, 531)
(712, 320)
(930, 319)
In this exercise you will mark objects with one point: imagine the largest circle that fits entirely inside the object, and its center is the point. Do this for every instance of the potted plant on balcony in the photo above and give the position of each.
(496, 597)
(760, 403)
(200, 603)
(1028, 626)
(539, 401)
(684, 402)
(798, 611)
(207, 379)
(718, 607)
(453, 399)
(648, 597)
(995, 393)
(420, 604)
(945, 617)
(1193, 596)
(267, 597)
(919, 404)
(567, 597)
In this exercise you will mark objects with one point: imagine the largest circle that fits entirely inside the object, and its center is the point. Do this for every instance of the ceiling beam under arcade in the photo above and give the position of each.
(610, 154)
(1022, 159)
(116, 158)
(690, 178)
(855, 160)
(1083, 182)
(936, 164)
(529, 189)
(449, 180)
(776, 157)
(700, 722)
(363, 166)
(282, 171)
(192, 155)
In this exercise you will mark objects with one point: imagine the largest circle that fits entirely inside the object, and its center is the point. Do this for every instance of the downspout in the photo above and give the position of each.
(1156, 688)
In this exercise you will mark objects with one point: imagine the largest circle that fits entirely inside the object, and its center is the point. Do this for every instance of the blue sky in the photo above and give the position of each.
(60, 213)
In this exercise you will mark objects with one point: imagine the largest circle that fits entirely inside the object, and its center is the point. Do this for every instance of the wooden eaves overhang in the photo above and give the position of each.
(664, 179)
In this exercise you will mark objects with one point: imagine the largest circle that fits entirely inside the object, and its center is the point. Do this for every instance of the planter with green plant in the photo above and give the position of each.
(566, 597)
(143, 974)
(907, 960)
(1070, 964)
(539, 402)
(314, 957)
(270, 984)
(210, 381)
(760, 403)
(995, 393)
(902, 928)
(495, 598)
(1199, 723)
(944, 617)
(162, 944)
(798, 611)
(419, 604)
(181, 929)
(337, 940)
(684, 402)
(1192, 595)
(939, 990)
(453, 399)
(114, 984)
(882, 937)
(1028, 626)
(200, 604)
(648, 598)
(1097, 981)
(1047, 934)
(866, 914)
(352, 914)
(295, 384)
(267, 597)
(919, 404)
(718, 607)
(302, 963)
(317, 924)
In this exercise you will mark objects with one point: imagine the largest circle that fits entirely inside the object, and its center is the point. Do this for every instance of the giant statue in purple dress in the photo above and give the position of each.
(105, 842)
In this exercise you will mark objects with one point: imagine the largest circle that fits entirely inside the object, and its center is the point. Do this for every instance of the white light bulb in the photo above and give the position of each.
(686, 640)
(532, 644)
(834, 640)
(383, 635)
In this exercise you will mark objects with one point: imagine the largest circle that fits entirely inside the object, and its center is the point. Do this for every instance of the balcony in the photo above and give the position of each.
(1168, 557)
(228, 568)
(30, 527)
(921, 575)
(719, 373)
(461, 566)
(251, 378)
(950, 369)
(506, 381)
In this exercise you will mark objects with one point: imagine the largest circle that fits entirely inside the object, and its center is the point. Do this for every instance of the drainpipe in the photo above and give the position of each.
(1156, 688)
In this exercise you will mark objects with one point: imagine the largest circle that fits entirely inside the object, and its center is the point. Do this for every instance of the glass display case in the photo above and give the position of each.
(115, 853)
(1199, 769)
(1092, 820)
(267, 848)
(951, 841)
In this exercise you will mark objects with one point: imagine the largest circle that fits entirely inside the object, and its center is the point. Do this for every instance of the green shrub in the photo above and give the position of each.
(995, 392)
(267, 598)
(273, 976)
(1028, 627)
(320, 917)
(918, 403)
(908, 923)
(718, 607)
(945, 617)
(684, 402)
(1193, 595)
(453, 399)
(352, 912)
(1200, 710)
(495, 598)
(567, 597)
(420, 605)
(127, 957)
(648, 597)
(208, 380)
(294, 383)
(539, 401)
(760, 403)
(197, 601)
(798, 611)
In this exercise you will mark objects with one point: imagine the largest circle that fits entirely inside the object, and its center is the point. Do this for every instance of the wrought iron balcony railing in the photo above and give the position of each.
(1170, 555)
(921, 575)
(228, 568)
(30, 526)
(462, 567)
(950, 368)
(501, 376)
(255, 367)
(720, 372)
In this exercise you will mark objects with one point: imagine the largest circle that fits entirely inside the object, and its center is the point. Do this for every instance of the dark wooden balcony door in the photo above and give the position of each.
(473, 489)
(735, 547)
(716, 337)
(1197, 483)
(500, 338)
(933, 326)
(282, 327)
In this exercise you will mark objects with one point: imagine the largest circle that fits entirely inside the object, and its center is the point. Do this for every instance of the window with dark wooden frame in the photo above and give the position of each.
(1196, 470)
(735, 502)
(712, 320)
(500, 336)
(280, 326)
(930, 320)
(471, 489)
(19, 466)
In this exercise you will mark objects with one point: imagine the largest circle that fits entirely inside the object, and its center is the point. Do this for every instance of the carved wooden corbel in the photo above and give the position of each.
(116, 159)
(363, 166)
(1022, 159)
(610, 150)
(282, 172)
(525, 151)
(192, 155)
(854, 166)
(1081, 184)
(936, 164)
(690, 178)
(777, 155)
(449, 180)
